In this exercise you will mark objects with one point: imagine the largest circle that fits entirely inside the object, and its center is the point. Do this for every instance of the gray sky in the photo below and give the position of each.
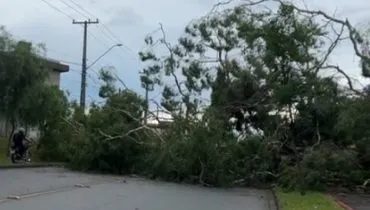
(130, 21)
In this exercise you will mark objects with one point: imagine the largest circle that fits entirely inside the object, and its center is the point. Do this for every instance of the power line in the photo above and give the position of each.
(56, 51)
(115, 37)
(98, 39)
(74, 9)
(95, 81)
(108, 35)
(83, 75)
(95, 37)
(63, 53)
(93, 16)
(70, 62)
(52, 50)
(60, 11)
(57, 9)
(70, 17)
(111, 34)
(83, 9)
(103, 43)
(94, 84)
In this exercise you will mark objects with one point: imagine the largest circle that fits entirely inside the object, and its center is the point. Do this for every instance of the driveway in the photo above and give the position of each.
(57, 189)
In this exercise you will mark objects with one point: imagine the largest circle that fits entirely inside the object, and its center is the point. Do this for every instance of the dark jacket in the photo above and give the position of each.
(18, 139)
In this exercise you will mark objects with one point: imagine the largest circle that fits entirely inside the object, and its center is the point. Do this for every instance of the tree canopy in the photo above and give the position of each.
(21, 68)
(25, 98)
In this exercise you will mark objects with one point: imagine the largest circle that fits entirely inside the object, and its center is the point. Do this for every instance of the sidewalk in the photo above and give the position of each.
(31, 165)
(353, 201)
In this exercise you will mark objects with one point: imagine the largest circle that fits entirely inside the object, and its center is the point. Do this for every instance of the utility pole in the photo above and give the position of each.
(84, 66)
(146, 105)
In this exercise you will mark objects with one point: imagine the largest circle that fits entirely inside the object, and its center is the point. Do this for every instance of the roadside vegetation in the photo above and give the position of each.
(295, 123)
(3, 146)
(311, 200)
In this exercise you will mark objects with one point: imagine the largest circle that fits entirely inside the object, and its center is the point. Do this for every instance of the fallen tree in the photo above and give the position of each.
(294, 123)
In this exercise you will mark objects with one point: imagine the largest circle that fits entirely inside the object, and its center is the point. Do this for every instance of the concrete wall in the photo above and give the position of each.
(4, 130)
(53, 78)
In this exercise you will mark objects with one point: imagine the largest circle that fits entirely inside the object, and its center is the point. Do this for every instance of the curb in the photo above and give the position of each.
(276, 200)
(32, 165)
(341, 203)
(66, 188)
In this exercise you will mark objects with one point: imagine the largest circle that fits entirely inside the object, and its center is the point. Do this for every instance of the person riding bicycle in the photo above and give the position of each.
(19, 139)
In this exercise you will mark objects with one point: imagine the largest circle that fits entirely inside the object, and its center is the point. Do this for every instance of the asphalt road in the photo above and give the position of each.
(57, 189)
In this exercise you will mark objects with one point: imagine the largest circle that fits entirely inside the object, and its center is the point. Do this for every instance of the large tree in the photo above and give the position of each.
(265, 61)
(43, 106)
(21, 68)
(269, 69)
(266, 68)
(25, 98)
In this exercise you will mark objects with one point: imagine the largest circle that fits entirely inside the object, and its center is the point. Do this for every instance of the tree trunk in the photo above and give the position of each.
(12, 121)
(147, 106)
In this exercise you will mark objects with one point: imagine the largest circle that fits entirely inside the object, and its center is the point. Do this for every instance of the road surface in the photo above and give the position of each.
(57, 189)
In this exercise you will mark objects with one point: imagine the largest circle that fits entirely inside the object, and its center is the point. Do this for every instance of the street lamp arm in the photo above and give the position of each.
(102, 55)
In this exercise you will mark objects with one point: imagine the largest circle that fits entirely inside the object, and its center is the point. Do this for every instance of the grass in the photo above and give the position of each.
(309, 201)
(3, 149)
(4, 160)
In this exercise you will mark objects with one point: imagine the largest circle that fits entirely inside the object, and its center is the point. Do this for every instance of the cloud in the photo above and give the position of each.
(124, 16)
(130, 21)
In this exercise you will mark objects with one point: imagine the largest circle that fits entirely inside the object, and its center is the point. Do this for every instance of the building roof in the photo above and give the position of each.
(54, 64)
(57, 65)
(159, 119)
(157, 116)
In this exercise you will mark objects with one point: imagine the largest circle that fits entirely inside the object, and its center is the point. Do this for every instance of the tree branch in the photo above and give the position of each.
(330, 50)
(202, 173)
(349, 82)
(172, 57)
(141, 127)
(353, 34)
(109, 137)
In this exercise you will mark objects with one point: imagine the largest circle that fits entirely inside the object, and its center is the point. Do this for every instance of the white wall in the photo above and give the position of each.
(52, 79)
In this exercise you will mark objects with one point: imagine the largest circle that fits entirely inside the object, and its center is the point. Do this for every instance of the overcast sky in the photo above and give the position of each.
(130, 21)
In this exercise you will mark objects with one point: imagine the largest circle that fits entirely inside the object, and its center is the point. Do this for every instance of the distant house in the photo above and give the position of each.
(55, 69)
(159, 119)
